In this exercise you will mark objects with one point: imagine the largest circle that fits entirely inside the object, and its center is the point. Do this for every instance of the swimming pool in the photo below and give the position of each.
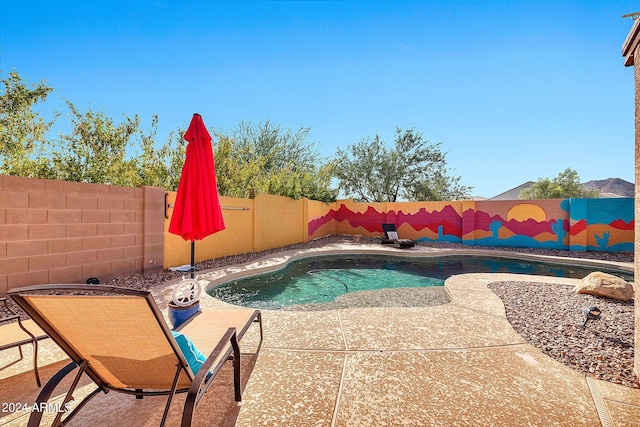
(323, 278)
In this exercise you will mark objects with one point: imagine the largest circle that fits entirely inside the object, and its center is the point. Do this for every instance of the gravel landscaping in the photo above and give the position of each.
(550, 317)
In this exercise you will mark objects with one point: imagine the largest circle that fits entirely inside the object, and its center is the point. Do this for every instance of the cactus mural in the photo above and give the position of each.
(559, 230)
(495, 227)
(603, 241)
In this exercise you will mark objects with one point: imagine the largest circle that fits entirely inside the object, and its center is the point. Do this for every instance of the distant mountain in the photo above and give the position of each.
(612, 187)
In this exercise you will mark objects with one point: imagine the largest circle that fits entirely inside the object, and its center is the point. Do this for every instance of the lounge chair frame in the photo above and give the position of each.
(199, 383)
(30, 338)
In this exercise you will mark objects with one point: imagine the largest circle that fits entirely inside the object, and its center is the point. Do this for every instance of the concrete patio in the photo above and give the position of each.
(456, 364)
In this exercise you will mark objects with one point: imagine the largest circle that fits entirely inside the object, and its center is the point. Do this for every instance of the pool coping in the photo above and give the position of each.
(276, 261)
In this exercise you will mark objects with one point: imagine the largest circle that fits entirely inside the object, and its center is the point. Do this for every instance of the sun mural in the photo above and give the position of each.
(525, 211)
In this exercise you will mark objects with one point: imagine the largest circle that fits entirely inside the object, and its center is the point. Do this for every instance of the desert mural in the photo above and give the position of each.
(599, 225)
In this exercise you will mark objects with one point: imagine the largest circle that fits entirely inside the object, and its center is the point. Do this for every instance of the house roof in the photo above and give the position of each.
(514, 193)
(631, 42)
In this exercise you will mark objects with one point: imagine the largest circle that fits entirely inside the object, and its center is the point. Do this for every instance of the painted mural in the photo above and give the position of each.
(603, 225)
(607, 226)
(531, 224)
(322, 220)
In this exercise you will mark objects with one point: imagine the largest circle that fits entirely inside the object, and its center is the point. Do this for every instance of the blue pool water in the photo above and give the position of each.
(321, 279)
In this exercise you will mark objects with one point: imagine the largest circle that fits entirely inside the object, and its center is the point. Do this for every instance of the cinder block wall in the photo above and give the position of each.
(277, 221)
(65, 232)
(236, 238)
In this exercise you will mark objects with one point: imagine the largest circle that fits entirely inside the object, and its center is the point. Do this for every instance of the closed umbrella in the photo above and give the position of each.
(197, 212)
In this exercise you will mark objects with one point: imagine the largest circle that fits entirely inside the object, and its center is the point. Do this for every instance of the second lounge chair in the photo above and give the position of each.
(391, 237)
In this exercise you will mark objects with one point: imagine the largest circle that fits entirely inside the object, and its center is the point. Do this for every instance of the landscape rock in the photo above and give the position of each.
(549, 316)
(605, 285)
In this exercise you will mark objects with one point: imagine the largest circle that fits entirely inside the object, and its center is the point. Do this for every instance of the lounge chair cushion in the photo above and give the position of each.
(195, 359)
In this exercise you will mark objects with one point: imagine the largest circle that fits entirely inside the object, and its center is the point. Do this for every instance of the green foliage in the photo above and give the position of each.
(263, 158)
(22, 129)
(413, 169)
(566, 185)
(154, 166)
(96, 150)
(235, 177)
(279, 148)
(268, 159)
(99, 151)
(161, 167)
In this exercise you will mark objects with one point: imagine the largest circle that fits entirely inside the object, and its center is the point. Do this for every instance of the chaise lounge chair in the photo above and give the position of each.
(119, 338)
(391, 237)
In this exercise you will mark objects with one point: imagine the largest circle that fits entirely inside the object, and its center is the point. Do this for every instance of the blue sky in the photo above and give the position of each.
(514, 90)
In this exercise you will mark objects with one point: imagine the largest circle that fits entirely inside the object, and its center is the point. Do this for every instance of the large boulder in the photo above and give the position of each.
(605, 285)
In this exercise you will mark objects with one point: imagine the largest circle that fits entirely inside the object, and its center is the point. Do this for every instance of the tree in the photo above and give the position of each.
(413, 169)
(96, 150)
(268, 159)
(279, 148)
(235, 177)
(161, 167)
(262, 158)
(22, 129)
(566, 185)
(101, 152)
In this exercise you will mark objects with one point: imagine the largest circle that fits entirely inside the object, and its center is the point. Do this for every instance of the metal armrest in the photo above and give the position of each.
(32, 338)
(13, 315)
(208, 373)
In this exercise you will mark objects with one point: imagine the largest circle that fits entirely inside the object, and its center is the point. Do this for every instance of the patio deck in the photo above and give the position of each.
(456, 364)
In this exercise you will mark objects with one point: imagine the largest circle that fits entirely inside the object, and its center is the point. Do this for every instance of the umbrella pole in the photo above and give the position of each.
(193, 258)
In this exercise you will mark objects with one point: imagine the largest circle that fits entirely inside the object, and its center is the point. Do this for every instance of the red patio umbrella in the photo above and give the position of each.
(197, 212)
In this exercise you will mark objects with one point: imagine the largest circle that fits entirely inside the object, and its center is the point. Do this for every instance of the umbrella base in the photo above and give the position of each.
(178, 315)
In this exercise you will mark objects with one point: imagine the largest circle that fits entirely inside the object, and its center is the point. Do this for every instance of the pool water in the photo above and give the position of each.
(322, 279)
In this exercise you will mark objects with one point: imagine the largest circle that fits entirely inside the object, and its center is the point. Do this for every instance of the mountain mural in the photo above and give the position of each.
(602, 225)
